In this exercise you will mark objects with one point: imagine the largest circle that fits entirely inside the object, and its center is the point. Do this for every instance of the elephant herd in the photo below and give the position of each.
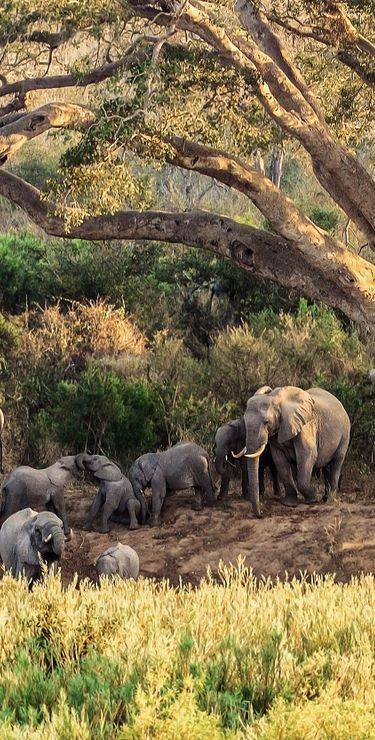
(292, 431)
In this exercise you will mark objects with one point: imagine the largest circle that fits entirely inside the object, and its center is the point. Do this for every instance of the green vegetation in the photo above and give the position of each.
(198, 343)
(236, 659)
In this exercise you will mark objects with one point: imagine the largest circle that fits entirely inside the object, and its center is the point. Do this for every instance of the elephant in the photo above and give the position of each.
(230, 440)
(185, 465)
(1, 440)
(25, 486)
(27, 537)
(115, 492)
(119, 560)
(306, 430)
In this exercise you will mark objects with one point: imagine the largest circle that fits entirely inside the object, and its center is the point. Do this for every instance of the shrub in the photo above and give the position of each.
(66, 335)
(326, 218)
(25, 275)
(104, 413)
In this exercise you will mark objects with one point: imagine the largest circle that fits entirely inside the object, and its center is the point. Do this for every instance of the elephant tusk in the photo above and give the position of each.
(257, 453)
(240, 454)
(48, 539)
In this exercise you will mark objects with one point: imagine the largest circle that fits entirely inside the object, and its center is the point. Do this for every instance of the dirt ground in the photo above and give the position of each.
(334, 537)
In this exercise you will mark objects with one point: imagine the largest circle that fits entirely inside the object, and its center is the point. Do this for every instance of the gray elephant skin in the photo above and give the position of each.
(25, 486)
(24, 536)
(119, 560)
(306, 430)
(230, 440)
(185, 465)
(115, 493)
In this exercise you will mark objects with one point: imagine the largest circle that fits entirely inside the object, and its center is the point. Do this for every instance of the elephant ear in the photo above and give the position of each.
(109, 471)
(297, 407)
(263, 390)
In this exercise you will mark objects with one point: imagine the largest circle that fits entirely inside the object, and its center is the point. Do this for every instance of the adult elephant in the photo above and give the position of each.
(185, 465)
(306, 429)
(26, 486)
(27, 537)
(115, 493)
(119, 560)
(230, 440)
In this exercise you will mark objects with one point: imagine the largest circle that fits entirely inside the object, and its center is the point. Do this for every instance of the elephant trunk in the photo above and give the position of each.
(58, 541)
(253, 476)
(81, 459)
(220, 462)
(53, 543)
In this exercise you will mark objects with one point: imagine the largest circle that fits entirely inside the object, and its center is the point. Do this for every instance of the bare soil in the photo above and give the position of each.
(336, 537)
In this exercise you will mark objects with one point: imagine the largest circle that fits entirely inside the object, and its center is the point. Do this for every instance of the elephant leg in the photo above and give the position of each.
(159, 489)
(284, 471)
(334, 474)
(58, 501)
(275, 480)
(94, 509)
(208, 490)
(134, 508)
(197, 504)
(107, 512)
(261, 479)
(306, 459)
(224, 486)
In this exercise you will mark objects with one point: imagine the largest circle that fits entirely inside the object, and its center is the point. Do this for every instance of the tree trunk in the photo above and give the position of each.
(276, 165)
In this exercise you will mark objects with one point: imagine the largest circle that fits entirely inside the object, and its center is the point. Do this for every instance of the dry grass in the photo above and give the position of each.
(143, 660)
(93, 329)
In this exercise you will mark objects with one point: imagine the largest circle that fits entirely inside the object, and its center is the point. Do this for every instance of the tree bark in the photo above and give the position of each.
(264, 254)
(25, 127)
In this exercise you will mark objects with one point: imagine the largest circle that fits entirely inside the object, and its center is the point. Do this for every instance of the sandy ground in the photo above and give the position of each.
(334, 537)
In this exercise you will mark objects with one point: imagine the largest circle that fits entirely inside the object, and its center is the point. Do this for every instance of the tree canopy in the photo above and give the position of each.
(135, 86)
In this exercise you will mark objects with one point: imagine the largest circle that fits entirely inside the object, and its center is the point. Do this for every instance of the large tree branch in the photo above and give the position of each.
(26, 127)
(341, 174)
(261, 253)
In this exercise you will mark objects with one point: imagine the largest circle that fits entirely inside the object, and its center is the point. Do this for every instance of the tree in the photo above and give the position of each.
(200, 86)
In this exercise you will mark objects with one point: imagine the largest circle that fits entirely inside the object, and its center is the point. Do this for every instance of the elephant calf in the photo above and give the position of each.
(26, 486)
(115, 493)
(230, 440)
(24, 536)
(119, 560)
(186, 465)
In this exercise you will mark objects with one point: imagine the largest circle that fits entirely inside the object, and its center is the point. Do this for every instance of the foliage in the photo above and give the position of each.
(102, 411)
(325, 218)
(84, 377)
(237, 659)
(58, 337)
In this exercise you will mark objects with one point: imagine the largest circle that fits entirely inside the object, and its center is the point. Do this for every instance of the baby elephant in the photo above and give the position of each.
(25, 536)
(119, 560)
(186, 465)
(115, 493)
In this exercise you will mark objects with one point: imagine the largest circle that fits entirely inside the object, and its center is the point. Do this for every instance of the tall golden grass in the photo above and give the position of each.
(235, 659)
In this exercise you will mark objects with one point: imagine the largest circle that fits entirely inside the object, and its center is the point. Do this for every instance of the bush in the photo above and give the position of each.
(104, 413)
(326, 218)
